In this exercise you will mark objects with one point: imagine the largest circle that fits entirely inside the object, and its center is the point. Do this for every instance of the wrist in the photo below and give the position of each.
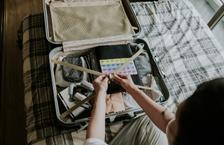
(132, 88)
(101, 95)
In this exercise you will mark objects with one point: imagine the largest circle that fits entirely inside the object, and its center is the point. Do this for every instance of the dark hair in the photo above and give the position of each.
(200, 119)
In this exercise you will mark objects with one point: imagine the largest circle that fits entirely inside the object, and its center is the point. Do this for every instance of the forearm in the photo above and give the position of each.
(157, 113)
(96, 128)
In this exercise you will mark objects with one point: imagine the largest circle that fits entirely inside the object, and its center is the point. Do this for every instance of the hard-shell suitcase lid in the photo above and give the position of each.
(80, 24)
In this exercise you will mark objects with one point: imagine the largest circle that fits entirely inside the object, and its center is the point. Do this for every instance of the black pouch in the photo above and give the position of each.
(111, 52)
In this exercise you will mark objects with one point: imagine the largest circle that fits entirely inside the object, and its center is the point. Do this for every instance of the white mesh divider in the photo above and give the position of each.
(88, 19)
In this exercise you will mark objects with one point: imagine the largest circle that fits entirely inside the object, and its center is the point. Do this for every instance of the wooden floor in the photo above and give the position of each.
(12, 117)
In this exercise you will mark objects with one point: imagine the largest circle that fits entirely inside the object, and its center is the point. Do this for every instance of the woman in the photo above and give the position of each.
(199, 119)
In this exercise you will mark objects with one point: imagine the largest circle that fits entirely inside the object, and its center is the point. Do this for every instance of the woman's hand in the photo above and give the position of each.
(125, 81)
(101, 84)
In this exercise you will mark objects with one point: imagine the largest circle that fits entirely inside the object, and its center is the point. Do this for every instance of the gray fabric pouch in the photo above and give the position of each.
(72, 75)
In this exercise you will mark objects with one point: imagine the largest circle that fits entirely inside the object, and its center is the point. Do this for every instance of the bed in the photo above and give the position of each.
(184, 48)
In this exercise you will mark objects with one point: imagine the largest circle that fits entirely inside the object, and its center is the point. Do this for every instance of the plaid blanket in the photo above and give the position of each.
(184, 48)
(41, 122)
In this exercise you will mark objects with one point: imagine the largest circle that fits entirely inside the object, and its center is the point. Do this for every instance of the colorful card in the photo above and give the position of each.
(108, 66)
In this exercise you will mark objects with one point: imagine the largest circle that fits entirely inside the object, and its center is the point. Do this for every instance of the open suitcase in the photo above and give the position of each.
(82, 46)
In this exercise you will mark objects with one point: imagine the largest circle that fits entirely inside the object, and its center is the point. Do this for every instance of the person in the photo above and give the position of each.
(199, 120)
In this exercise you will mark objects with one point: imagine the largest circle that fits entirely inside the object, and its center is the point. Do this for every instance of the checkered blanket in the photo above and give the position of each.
(41, 123)
(184, 48)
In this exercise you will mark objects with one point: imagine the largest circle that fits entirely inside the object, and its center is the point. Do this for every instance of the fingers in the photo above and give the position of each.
(118, 78)
(102, 78)
(105, 79)
(129, 78)
(122, 76)
(121, 79)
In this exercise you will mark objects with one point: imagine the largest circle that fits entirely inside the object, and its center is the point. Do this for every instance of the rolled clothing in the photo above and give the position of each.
(143, 65)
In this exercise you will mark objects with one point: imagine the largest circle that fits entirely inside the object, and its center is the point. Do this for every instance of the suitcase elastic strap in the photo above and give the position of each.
(83, 69)
(90, 71)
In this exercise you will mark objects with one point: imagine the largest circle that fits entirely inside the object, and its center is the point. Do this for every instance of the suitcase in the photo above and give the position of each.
(79, 47)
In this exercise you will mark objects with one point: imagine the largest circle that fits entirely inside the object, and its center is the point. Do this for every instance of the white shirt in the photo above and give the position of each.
(94, 141)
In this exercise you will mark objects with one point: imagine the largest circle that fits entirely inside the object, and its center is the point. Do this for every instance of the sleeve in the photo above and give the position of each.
(94, 141)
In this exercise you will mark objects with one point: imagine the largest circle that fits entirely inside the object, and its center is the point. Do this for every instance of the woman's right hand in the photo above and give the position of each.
(125, 81)
(101, 84)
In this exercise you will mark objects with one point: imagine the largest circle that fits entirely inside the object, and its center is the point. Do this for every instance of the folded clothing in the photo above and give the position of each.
(114, 103)
(155, 92)
(129, 102)
(113, 51)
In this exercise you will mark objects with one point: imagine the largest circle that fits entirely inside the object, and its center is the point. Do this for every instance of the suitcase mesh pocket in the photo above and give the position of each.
(80, 22)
